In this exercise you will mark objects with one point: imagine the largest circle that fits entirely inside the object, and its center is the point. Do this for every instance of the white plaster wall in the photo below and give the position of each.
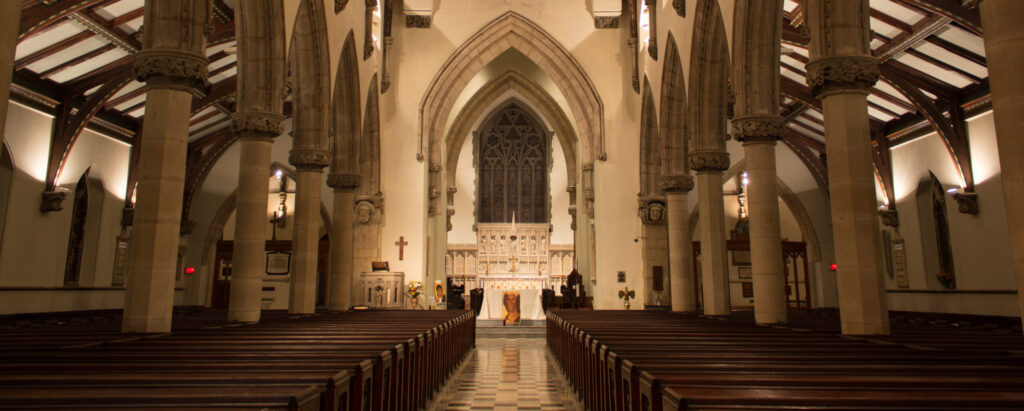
(981, 254)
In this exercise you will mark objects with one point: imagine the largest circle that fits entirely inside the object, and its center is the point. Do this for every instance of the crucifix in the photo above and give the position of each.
(401, 243)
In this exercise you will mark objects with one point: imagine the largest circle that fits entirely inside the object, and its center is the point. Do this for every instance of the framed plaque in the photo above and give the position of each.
(278, 263)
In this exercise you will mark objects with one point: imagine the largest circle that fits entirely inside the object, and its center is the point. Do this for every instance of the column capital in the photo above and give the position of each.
(842, 74)
(309, 159)
(52, 201)
(704, 161)
(172, 69)
(682, 183)
(257, 125)
(758, 129)
(344, 182)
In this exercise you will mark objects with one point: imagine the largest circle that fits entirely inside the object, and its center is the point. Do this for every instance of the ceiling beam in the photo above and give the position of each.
(907, 39)
(103, 28)
(42, 15)
(970, 18)
(52, 49)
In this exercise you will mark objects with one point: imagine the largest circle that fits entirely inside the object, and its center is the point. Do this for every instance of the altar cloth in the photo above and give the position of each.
(530, 307)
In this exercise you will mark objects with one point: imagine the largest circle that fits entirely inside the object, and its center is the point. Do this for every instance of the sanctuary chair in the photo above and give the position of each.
(476, 300)
(455, 292)
(547, 299)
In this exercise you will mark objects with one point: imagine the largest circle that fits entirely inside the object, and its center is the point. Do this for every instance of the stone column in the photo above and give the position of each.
(173, 65)
(10, 17)
(709, 166)
(758, 135)
(1004, 47)
(309, 166)
(680, 245)
(339, 296)
(256, 132)
(841, 73)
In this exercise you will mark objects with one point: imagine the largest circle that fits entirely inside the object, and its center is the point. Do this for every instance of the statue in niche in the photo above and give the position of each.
(364, 212)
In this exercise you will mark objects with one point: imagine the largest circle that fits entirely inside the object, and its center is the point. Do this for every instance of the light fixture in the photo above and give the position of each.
(952, 190)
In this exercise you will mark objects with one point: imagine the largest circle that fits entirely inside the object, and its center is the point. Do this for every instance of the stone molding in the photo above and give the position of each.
(890, 218)
(344, 182)
(842, 74)
(257, 125)
(967, 203)
(172, 69)
(677, 183)
(606, 22)
(309, 159)
(417, 21)
(52, 201)
(709, 161)
(758, 129)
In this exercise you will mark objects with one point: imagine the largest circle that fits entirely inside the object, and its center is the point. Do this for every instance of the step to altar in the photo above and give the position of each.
(494, 329)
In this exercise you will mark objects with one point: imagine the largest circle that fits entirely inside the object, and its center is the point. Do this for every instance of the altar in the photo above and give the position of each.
(530, 307)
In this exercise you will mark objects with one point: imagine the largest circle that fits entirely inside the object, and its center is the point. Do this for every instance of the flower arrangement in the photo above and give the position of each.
(415, 289)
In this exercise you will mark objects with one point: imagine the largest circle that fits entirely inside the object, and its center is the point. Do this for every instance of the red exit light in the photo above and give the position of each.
(192, 270)
(833, 266)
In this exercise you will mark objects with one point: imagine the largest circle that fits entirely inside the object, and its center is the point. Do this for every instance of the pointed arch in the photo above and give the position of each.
(650, 146)
(709, 78)
(673, 111)
(6, 180)
(83, 234)
(310, 69)
(369, 149)
(261, 56)
(512, 30)
(547, 108)
(513, 150)
(346, 129)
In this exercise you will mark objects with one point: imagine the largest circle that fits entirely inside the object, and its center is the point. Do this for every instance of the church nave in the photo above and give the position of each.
(507, 374)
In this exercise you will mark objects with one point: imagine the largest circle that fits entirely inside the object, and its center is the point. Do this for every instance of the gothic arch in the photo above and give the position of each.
(709, 79)
(673, 112)
(650, 146)
(512, 30)
(84, 230)
(346, 130)
(535, 96)
(310, 69)
(6, 180)
(261, 56)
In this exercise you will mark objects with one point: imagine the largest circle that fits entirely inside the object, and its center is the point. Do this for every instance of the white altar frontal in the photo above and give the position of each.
(510, 256)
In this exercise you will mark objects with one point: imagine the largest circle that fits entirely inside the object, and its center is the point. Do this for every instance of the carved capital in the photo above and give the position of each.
(842, 74)
(417, 21)
(257, 125)
(755, 129)
(52, 201)
(172, 69)
(606, 22)
(652, 211)
(967, 203)
(704, 161)
(677, 183)
(186, 227)
(344, 182)
(307, 159)
(452, 191)
(127, 216)
(889, 218)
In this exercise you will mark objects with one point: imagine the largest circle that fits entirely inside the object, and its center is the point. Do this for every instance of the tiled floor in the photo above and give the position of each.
(507, 374)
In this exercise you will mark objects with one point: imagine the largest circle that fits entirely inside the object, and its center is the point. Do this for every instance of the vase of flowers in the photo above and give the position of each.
(414, 291)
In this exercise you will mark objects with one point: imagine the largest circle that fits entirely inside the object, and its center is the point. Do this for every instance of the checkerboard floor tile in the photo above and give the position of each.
(507, 374)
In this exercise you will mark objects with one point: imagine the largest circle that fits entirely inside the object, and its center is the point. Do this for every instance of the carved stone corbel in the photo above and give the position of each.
(186, 227)
(889, 218)
(652, 211)
(967, 203)
(344, 182)
(127, 216)
(418, 21)
(606, 22)
(52, 201)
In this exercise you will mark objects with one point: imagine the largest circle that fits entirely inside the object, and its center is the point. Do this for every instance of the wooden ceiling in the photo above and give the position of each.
(75, 57)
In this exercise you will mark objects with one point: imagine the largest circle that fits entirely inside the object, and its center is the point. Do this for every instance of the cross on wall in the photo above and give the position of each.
(401, 243)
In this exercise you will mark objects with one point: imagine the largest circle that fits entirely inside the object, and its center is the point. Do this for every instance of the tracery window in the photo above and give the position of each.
(512, 152)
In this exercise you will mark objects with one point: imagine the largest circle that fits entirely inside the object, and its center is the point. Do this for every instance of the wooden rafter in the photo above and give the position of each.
(42, 15)
(970, 18)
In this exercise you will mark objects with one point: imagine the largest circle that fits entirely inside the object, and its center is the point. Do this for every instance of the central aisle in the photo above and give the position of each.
(507, 374)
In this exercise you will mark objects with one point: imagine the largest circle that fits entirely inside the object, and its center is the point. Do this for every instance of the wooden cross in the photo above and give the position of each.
(401, 243)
